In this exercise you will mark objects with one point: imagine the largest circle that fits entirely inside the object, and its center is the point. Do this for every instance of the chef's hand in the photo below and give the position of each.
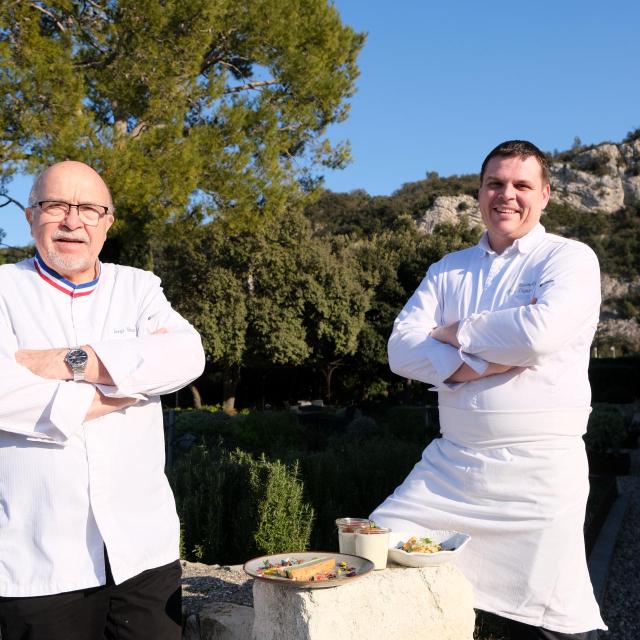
(447, 334)
(466, 374)
(103, 405)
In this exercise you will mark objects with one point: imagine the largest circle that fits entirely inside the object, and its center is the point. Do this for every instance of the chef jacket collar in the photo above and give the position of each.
(522, 245)
(62, 284)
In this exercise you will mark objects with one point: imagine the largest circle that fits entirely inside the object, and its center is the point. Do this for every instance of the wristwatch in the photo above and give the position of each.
(77, 359)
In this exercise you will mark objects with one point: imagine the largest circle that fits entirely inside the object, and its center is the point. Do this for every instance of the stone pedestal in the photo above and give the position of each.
(225, 621)
(397, 603)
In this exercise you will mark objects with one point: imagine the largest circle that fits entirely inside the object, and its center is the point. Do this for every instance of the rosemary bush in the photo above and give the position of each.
(233, 506)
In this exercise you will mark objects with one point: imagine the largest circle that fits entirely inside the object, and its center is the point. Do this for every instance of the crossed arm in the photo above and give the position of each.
(49, 363)
(448, 335)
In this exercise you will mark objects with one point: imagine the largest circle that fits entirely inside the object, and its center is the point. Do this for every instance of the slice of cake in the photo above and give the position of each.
(307, 570)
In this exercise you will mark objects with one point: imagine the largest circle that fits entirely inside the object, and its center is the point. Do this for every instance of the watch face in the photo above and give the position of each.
(77, 357)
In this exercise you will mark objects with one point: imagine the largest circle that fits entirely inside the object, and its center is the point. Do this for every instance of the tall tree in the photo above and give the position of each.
(218, 103)
(395, 261)
(273, 296)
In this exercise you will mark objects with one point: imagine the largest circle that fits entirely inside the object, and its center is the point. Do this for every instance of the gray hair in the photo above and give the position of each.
(34, 194)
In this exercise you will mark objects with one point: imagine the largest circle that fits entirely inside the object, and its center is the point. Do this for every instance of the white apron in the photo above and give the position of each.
(521, 498)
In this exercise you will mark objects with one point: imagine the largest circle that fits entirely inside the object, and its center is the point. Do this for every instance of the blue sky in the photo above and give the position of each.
(442, 83)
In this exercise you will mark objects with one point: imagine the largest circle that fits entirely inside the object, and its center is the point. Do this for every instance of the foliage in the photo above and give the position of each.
(218, 105)
(229, 500)
(274, 295)
(615, 380)
(605, 430)
(232, 506)
(284, 520)
(210, 426)
(410, 423)
(632, 135)
(275, 433)
(395, 262)
(360, 215)
(615, 238)
(11, 255)
(351, 477)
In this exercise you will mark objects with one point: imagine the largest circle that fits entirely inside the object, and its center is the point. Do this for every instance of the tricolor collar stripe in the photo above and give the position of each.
(62, 284)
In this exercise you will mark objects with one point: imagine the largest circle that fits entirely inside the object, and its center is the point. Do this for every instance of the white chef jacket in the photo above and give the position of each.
(510, 468)
(69, 487)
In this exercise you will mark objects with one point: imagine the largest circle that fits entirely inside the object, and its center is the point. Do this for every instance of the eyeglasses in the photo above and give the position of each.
(90, 214)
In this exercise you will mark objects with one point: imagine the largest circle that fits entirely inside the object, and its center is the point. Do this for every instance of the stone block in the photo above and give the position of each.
(397, 603)
(226, 621)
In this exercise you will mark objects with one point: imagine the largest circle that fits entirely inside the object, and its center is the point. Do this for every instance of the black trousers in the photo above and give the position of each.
(147, 606)
(520, 631)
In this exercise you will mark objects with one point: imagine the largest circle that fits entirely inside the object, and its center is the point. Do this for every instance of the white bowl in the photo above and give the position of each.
(453, 542)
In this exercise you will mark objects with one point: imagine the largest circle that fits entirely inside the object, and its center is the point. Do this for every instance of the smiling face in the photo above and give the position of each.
(69, 246)
(512, 197)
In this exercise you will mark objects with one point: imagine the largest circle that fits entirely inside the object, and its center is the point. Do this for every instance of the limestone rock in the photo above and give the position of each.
(432, 603)
(618, 287)
(603, 157)
(630, 152)
(450, 209)
(603, 178)
(586, 191)
(620, 331)
(631, 185)
(226, 621)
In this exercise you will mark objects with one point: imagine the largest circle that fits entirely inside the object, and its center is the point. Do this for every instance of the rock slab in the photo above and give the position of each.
(397, 603)
(225, 621)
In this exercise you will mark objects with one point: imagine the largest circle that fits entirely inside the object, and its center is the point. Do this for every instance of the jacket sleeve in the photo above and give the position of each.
(412, 352)
(35, 407)
(566, 309)
(148, 364)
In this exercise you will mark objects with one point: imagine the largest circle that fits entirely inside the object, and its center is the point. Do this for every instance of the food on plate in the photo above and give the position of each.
(421, 545)
(307, 570)
(315, 570)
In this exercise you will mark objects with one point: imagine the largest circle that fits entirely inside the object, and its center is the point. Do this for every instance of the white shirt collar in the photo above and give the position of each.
(522, 245)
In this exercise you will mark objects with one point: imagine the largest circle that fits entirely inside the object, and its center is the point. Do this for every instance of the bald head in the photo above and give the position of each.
(68, 177)
(69, 243)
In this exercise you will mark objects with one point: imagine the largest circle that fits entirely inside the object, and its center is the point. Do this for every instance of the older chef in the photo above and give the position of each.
(503, 331)
(88, 526)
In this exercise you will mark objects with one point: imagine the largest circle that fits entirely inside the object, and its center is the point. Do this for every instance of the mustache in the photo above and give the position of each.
(63, 235)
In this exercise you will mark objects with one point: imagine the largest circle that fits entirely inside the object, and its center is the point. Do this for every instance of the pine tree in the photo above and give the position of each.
(214, 104)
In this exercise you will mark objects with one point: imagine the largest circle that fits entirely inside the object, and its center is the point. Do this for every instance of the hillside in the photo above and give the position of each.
(595, 198)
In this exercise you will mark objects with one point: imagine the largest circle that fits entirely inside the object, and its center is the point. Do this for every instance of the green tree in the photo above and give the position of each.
(268, 296)
(221, 104)
(337, 301)
(395, 262)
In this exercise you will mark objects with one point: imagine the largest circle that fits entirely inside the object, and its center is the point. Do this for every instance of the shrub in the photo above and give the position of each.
(614, 379)
(284, 520)
(632, 135)
(271, 432)
(208, 423)
(605, 429)
(411, 423)
(232, 506)
(352, 478)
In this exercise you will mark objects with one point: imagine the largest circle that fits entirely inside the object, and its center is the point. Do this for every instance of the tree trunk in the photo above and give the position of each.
(328, 374)
(197, 398)
(231, 378)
